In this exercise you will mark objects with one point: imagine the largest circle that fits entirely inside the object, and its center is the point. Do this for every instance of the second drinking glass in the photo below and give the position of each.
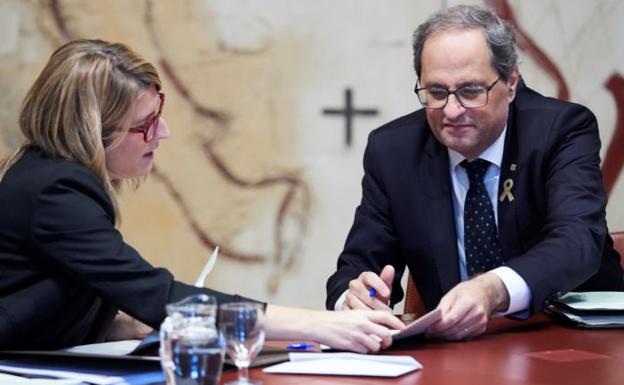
(242, 325)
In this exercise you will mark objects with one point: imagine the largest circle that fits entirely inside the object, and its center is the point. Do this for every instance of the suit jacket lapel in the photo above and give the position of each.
(438, 192)
(508, 185)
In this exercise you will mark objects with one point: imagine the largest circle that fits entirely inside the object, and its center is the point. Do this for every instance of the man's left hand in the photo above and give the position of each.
(467, 308)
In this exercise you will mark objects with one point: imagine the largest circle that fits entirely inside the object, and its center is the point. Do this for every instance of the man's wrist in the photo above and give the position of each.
(495, 291)
(340, 301)
(517, 289)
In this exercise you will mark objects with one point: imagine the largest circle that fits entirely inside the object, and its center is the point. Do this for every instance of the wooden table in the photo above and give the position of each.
(536, 351)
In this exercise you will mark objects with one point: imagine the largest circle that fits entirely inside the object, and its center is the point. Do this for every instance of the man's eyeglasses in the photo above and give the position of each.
(470, 96)
(149, 128)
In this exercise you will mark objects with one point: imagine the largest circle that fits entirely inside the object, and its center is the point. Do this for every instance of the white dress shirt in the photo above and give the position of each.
(519, 292)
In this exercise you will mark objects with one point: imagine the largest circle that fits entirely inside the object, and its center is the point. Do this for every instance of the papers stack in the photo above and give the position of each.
(73, 370)
(7, 379)
(418, 326)
(600, 309)
(130, 362)
(346, 364)
(108, 363)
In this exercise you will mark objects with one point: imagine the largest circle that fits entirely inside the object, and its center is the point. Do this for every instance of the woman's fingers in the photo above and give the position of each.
(387, 319)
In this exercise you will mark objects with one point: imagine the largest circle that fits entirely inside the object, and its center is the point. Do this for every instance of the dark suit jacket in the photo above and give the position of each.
(64, 268)
(553, 233)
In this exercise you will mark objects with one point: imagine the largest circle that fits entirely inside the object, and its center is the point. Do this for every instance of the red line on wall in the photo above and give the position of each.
(203, 237)
(614, 157)
(59, 20)
(525, 43)
(221, 121)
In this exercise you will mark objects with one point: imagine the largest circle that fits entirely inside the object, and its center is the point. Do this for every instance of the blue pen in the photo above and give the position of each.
(372, 292)
(300, 346)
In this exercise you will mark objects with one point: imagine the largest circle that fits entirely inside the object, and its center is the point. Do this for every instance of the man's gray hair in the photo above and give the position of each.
(498, 34)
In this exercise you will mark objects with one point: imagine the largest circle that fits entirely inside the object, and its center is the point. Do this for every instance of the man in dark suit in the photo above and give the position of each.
(491, 195)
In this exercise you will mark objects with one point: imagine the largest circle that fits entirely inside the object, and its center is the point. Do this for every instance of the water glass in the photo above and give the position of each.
(191, 347)
(242, 325)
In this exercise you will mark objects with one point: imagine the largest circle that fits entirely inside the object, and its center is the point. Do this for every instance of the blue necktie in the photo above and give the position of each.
(481, 243)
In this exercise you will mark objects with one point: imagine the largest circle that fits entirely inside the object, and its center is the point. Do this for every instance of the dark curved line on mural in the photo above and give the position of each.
(197, 230)
(59, 20)
(614, 156)
(302, 221)
(525, 43)
(222, 120)
(292, 181)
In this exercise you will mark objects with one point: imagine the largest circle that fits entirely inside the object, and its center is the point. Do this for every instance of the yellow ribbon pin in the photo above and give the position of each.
(507, 185)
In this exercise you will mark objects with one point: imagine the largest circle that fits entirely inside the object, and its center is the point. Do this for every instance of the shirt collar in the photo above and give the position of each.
(493, 154)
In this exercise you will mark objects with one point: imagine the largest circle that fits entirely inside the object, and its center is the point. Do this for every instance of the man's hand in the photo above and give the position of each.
(467, 308)
(358, 296)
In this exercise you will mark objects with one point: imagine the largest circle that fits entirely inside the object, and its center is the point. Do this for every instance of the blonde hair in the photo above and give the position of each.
(82, 103)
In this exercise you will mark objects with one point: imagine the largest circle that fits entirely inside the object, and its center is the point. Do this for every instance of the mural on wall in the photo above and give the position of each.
(613, 161)
(270, 104)
(61, 21)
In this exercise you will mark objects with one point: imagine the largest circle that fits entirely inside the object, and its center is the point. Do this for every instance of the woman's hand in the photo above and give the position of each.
(361, 331)
(125, 327)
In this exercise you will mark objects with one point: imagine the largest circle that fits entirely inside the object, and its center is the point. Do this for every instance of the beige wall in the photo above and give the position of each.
(271, 67)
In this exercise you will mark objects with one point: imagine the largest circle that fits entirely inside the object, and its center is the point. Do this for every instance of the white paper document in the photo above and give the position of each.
(419, 325)
(596, 300)
(7, 379)
(346, 364)
(121, 350)
(63, 374)
(106, 363)
(92, 372)
(113, 348)
(207, 268)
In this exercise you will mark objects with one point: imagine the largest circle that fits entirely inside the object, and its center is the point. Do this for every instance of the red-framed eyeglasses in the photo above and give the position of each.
(149, 128)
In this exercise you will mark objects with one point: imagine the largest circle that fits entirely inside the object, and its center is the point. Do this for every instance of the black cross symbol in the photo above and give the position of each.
(348, 112)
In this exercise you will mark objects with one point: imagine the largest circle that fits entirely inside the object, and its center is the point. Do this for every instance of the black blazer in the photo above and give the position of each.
(64, 268)
(553, 233)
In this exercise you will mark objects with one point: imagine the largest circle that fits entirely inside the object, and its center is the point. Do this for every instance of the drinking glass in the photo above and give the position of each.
(242, 325)
(191, 347)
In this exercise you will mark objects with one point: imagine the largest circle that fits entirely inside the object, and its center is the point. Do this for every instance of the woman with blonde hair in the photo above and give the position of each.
(91, 120)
